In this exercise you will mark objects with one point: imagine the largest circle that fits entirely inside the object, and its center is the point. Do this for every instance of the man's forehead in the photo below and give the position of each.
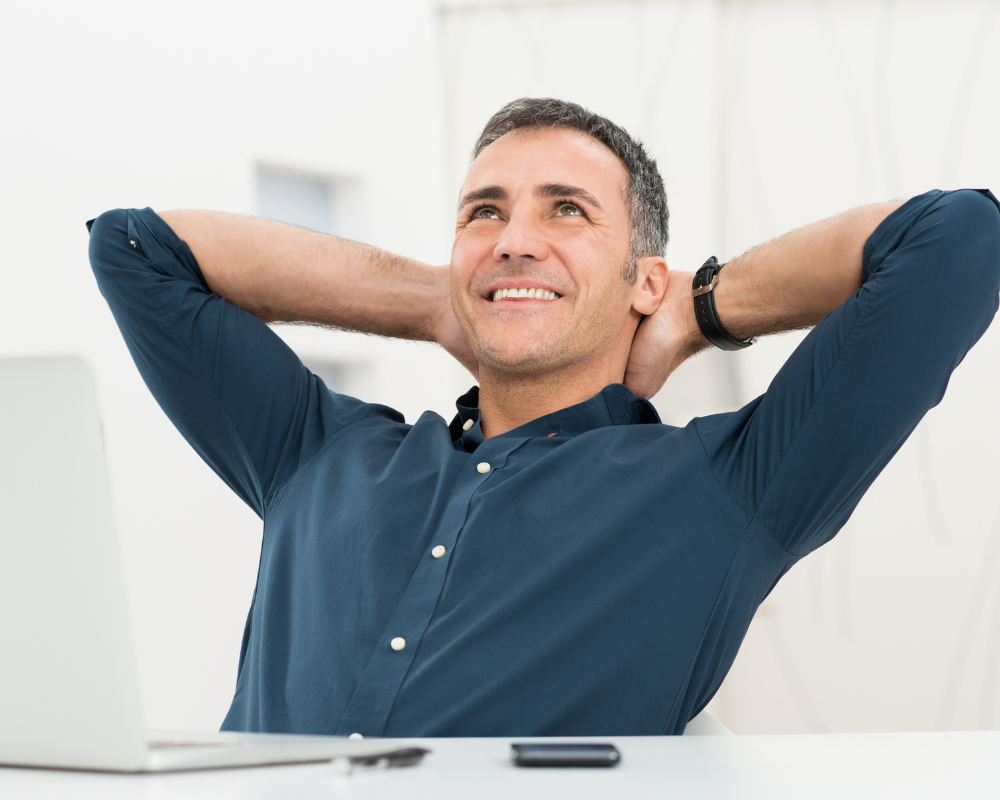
(529, 159)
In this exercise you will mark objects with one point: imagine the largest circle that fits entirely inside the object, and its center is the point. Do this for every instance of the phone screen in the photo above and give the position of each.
(565, 755)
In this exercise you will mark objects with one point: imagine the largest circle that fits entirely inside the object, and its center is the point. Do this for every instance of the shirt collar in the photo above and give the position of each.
(613, 405)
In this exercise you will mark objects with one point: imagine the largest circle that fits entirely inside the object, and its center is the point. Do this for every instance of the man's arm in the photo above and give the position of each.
(797, 279)
(282, 273)
(788, 283)
(800, 457)
(230, 385)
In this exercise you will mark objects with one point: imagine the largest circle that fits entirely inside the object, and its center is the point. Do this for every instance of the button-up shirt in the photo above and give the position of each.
(590, 572)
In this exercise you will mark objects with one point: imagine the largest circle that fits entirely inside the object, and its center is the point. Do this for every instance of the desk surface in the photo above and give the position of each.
(912, 765)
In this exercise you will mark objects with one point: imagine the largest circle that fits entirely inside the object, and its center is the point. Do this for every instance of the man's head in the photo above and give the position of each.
(563, 202)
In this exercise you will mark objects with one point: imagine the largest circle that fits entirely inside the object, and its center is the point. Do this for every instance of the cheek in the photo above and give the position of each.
(471, 264)
(608, 299)
(466, 254)
(597, 274)
(462, 267)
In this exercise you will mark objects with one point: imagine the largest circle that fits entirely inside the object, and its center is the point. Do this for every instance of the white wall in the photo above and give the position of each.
(896, 624)
(763, 115)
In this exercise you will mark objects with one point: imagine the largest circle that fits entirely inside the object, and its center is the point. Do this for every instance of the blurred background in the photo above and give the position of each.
(357, 119)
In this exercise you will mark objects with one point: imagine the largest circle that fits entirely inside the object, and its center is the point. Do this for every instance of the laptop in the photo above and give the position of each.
(69, 695)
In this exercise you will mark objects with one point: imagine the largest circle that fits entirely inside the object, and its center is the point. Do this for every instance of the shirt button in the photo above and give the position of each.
(483, 467)
(468, 424)
(398, 643)
(438, 551)
(355, 736)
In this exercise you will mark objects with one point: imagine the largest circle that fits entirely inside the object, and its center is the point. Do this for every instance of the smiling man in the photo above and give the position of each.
(548, 212)
(555, 561)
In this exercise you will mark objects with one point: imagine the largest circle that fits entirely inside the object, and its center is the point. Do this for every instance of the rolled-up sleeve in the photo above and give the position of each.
(232, 387)
(800, 457)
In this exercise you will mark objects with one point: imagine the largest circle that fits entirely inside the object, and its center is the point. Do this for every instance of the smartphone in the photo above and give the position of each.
(565, 755)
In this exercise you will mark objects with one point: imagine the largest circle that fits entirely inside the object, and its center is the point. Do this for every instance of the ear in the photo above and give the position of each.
(650, 284)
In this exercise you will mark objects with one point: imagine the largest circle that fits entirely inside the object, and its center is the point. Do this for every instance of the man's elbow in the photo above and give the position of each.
(975, 218)
(108, 247)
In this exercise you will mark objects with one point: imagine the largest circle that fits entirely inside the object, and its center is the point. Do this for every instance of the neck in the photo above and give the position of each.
(508, 401)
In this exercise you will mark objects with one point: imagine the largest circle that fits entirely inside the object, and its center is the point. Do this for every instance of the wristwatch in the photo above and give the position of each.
(705, 281)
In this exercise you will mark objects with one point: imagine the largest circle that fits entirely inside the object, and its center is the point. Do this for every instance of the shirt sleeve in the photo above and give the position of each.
(800, 457)
(234, 389)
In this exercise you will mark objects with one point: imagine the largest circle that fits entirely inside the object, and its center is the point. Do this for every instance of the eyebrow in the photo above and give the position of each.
(552, 190)
(557, 190)
(486, 193)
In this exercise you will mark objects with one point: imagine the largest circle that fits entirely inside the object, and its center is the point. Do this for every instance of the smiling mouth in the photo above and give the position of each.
(515, 293)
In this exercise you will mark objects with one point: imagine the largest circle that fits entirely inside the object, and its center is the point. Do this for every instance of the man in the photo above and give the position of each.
(554, 561)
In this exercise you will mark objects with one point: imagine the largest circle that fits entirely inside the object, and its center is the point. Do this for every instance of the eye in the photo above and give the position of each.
(569, 210)
(485, 212)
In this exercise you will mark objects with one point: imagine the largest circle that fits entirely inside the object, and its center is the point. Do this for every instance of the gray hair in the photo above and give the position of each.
(644, 194)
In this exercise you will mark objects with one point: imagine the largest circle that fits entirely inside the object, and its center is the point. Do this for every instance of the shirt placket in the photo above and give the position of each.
(373, 699)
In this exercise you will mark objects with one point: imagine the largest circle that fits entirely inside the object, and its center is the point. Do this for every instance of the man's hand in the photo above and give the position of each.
(664, 339)
(449, 334)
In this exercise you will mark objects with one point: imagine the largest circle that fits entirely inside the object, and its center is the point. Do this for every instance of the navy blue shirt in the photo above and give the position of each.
(591, 572)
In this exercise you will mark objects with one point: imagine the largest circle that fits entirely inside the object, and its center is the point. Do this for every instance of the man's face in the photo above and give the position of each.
(543, 213)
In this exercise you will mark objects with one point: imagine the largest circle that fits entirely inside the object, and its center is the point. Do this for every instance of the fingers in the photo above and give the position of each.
(644, 384)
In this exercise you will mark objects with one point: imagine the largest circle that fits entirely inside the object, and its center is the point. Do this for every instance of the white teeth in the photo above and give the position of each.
(537, 294)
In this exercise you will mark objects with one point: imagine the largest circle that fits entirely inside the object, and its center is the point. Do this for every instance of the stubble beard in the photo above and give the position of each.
(552, 357)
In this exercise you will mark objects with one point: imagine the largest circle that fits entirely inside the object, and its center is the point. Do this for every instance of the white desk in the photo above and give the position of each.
(917, 765)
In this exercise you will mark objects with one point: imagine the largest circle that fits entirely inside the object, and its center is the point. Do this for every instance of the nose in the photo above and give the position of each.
(522, 237)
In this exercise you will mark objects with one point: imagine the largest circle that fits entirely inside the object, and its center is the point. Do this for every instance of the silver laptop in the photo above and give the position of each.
(69, 697)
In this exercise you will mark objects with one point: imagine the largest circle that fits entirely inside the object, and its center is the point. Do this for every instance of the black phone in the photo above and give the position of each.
(565, 755)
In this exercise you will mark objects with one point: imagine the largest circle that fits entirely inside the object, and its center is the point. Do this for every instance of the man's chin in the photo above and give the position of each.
(503, 359)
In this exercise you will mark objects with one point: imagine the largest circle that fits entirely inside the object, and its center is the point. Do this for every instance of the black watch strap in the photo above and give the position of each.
(702, 288)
